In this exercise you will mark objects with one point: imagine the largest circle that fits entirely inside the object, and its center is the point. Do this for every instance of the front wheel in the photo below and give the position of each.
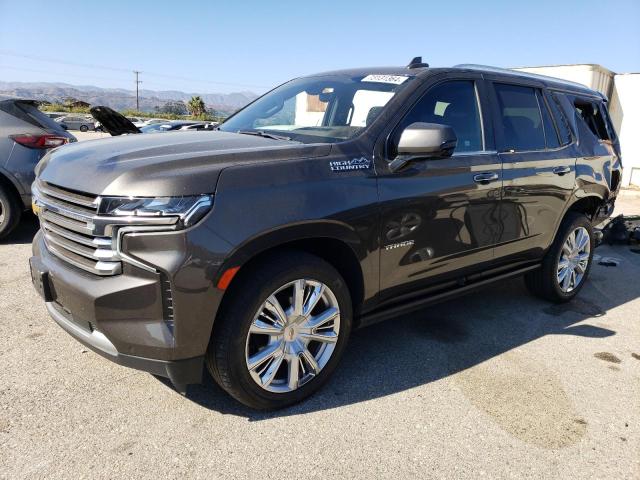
(566, 265)
(84, 128)
(282, 332)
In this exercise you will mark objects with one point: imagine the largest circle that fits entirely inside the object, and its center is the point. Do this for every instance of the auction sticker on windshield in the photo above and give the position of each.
(394, 79)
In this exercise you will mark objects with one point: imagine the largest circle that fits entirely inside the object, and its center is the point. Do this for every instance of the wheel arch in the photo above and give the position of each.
(335, 243)
(586, 203)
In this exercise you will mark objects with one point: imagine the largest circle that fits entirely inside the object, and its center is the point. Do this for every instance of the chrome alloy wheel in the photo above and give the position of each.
(574, 259)
(292, 335)
(1, 212)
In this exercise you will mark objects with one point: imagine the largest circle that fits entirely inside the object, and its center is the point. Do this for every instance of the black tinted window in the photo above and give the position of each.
(550, 132)
(455, 104)
(520, 117)
(562, 123)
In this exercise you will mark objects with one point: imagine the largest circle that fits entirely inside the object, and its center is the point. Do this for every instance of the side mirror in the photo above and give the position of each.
(424, 140)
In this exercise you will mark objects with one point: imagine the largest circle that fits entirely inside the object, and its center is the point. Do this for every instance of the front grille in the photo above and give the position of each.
(67, 221)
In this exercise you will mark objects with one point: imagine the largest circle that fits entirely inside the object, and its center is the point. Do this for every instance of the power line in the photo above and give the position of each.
(115, 69)
(75, 75)
(94, 77)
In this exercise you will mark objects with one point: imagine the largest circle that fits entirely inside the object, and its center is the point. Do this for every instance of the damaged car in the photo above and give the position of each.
(332, 202)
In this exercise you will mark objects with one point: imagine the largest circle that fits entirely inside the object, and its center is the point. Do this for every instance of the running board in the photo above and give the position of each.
(403, 308)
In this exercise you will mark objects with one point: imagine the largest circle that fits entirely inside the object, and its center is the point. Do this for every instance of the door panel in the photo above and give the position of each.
(437, 222)
(537, 180)
(535, 193)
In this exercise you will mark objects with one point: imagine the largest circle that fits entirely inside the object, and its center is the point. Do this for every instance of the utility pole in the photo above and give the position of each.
(138, 82)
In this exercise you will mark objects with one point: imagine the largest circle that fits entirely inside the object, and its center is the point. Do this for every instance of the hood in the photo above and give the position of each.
(113, 122)
(183, 163)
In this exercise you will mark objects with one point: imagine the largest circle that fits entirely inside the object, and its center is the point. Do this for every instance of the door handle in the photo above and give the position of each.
(561, 170)
(485, 177)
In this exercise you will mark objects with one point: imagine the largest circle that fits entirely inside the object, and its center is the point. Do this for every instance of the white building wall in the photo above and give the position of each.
(303, 116)
(593, 76)
(624, 108)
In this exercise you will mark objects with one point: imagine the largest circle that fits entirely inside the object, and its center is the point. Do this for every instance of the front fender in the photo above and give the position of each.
(265, 206)
(281, 236)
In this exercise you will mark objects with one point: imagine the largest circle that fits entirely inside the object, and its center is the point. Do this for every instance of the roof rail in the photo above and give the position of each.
(536, 76)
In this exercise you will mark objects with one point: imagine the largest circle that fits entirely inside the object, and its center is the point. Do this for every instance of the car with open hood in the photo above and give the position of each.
(331, 202)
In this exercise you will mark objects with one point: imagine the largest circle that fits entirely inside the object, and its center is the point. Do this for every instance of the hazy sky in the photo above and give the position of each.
(224, 46)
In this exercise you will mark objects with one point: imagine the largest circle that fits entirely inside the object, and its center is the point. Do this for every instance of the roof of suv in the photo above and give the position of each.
(422, 72)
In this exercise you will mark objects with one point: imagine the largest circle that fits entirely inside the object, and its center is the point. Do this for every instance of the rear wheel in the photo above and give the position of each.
(282, 333)
(566, 265)
(10, 211)
(84, 128)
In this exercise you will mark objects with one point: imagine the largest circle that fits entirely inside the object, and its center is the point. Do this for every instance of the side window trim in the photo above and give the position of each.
(554, 96)
(554, 122)
(544, 130)
(481, 116)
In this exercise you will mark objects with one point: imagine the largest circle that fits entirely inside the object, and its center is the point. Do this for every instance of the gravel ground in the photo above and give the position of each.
(497, 385)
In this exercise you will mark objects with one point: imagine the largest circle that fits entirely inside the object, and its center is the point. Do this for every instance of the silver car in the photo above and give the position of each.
(77, 122)
(26, 134)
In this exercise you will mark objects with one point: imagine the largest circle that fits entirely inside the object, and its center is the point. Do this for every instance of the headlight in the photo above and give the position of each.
(189, 209)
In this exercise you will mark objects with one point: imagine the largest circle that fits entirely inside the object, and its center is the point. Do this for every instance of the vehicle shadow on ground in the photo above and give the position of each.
(451, 337)
(24, 232)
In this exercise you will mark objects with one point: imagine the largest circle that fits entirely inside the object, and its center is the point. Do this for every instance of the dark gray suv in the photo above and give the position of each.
(26, 134)
(333, 201)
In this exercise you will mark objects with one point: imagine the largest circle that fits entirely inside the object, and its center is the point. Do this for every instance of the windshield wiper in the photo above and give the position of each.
(262, 133)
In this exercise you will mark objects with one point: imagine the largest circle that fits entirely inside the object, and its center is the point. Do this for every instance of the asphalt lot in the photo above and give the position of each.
(496, 385)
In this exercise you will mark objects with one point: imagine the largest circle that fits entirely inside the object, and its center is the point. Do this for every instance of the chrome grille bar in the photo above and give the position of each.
(68, 195)
(68, 220)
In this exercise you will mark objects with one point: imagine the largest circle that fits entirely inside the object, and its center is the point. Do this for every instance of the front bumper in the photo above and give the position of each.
(180, 372)
(123, 317)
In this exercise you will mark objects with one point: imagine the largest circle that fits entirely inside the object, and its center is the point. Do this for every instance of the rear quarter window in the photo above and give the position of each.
(589, 115)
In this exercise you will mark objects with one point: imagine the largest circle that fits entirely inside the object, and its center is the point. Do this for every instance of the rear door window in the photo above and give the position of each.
(519, 114)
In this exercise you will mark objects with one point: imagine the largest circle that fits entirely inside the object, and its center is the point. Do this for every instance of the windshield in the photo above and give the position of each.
(323, 109)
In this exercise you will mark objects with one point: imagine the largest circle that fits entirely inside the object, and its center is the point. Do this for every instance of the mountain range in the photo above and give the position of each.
(121, 99)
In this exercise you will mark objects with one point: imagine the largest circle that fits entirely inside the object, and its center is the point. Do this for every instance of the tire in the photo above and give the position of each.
(233, 346)
(545, 282)
(10, 211)
(84, 128)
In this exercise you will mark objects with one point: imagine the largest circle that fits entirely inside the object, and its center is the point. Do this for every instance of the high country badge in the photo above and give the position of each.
(361, 163)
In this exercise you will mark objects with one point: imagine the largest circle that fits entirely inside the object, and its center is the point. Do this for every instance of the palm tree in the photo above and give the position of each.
(196, 106)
